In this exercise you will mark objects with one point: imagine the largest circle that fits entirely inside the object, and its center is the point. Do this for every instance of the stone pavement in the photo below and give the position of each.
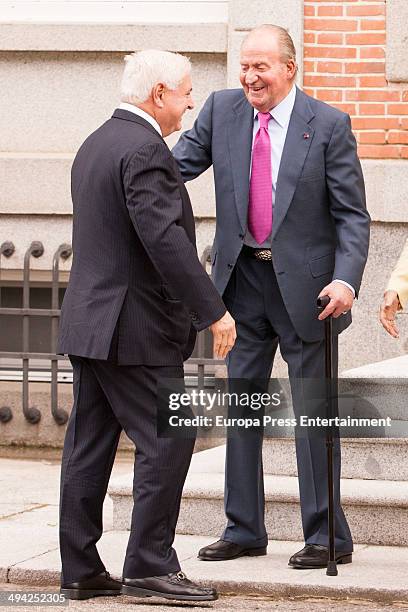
(225, 603)
(29, 549)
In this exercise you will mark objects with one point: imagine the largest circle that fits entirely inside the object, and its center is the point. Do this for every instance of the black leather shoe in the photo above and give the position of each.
(224, 551)
(100, 585)
(170, 586)
(314, 556)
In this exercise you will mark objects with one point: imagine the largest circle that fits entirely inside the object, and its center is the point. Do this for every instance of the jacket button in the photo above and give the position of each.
(230, 266)
(241, 236)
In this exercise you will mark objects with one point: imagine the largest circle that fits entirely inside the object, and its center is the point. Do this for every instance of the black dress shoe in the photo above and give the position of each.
(100, 585)
(314, 556)
(170, 586)
(224, 551)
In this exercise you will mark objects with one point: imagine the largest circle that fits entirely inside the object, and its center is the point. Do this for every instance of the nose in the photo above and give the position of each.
(251, 77)
(191, 104)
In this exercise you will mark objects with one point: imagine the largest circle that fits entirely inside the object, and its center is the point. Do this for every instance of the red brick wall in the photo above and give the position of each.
(344, 65)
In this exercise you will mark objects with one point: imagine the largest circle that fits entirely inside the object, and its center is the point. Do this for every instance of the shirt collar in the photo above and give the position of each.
(282, 111)
(141, 113)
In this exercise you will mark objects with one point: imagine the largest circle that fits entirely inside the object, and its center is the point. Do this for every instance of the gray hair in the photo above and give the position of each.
(286, 46)
(144, 69)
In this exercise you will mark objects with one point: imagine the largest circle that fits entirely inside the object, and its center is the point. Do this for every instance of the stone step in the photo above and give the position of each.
(383, 384)
(368, 458)
(377, 574)
(396, 368)
(377, 511)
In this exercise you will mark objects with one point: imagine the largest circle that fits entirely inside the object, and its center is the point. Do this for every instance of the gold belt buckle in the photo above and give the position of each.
(263, 254)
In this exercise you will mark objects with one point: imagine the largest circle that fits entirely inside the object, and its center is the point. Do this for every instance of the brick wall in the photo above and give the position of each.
(344, 65)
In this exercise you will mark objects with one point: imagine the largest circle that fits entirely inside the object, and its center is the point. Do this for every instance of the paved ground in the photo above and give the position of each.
(224, 604)
(29, 556)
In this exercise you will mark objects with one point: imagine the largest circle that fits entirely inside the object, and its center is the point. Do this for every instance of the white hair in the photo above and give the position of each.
(144, 69)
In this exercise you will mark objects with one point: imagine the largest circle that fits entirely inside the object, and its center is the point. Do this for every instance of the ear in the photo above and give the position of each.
(291, 69)
(157, 94)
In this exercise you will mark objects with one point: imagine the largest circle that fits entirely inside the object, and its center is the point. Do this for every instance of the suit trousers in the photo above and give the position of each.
(108, 399)
(254, 300)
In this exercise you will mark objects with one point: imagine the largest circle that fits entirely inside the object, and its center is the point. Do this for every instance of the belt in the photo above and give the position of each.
(259, 254)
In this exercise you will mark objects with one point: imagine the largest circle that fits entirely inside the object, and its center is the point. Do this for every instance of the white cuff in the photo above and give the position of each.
(337, 280)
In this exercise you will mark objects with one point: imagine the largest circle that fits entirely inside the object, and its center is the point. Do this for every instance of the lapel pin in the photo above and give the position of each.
(306, 135)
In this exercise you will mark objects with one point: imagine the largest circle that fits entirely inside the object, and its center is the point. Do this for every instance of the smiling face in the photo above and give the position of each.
(173, 103)
(265, 78)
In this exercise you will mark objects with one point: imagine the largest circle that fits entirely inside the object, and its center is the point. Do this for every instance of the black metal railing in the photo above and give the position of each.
(6, 250)
(195, 368)
(31, 413)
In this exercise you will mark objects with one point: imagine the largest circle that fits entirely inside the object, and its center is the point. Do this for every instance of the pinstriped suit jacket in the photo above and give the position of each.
(135, 277)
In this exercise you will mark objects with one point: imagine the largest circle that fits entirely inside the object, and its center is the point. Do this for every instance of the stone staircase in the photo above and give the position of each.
(374, 485)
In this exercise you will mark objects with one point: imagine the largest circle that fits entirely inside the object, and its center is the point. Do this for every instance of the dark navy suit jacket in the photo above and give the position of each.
(320, 223)
(136, 278)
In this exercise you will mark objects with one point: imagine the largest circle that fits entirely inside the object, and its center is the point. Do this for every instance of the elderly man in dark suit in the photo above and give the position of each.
(291, 225)
(136, 297)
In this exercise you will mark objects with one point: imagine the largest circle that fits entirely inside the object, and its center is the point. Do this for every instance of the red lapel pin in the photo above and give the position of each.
(306, 135)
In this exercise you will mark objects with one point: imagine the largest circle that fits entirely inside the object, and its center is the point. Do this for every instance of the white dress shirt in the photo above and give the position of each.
(141, 113)
(277, 129)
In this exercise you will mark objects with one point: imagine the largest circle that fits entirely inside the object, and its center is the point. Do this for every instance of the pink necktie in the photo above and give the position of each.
(260, 187)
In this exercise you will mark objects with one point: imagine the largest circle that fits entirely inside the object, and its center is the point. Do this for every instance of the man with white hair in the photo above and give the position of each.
(136, 297)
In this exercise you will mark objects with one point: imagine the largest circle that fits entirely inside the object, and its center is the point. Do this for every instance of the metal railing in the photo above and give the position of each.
(196, 365)
(31, 413)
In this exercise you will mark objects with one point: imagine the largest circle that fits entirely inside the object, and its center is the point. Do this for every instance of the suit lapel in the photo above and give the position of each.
(297, 144)
(240, 128)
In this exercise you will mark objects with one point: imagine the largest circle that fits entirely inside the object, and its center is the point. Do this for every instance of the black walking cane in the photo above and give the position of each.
(331, 395)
